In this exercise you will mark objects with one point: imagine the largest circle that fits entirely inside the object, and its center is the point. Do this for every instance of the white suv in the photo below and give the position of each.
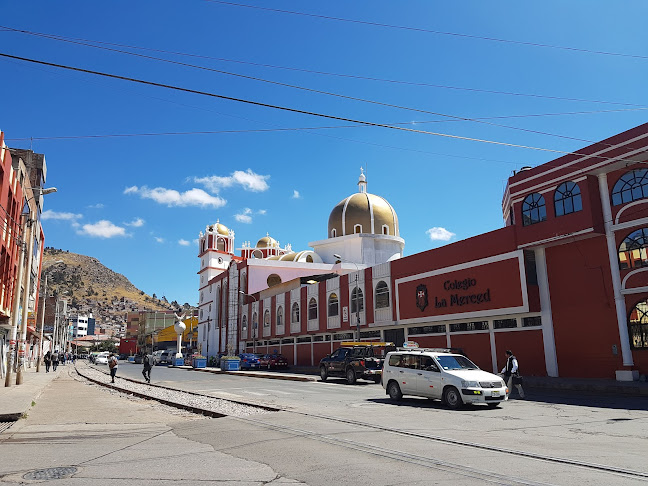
(435, 373)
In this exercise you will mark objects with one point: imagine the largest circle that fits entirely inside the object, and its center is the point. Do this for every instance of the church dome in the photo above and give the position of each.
(219, 228)
(363, 213)
(267, 242)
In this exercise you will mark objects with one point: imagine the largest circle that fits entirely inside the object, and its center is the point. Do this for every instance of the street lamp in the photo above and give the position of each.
(254, 324)
(357, 294)
(28, 224)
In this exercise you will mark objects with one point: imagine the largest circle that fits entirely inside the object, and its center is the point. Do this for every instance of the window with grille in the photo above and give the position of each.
(312, 309)
(567, 199)
(630, 187)
(632, 251)
(533, 209)
(333, 306)
(357, 300)
(382, 295)
(638, 326)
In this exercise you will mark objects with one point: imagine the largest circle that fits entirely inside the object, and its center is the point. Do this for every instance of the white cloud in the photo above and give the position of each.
(439, 234)
(96, 206)
(158, 239)
(244, 217)
(102, 229)
(49, 214)
(249, 180)
(171, 197)
(296, 195)
(262, 211)
(182, 242)
(136, 223)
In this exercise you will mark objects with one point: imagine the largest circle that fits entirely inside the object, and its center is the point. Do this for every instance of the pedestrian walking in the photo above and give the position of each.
(112, 364)
(147, 360)
(511, 373)
(63, 358)
(48, 361)
(55, 359)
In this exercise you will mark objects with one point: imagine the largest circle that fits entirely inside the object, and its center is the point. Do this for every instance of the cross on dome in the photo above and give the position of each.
(362, 182)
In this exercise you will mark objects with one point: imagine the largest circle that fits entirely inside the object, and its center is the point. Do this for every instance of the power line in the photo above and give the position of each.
(328, 93)
(324, 73)
(305, 112)
(430, 31)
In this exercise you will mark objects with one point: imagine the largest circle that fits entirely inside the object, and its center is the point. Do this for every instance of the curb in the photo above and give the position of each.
(251, 374)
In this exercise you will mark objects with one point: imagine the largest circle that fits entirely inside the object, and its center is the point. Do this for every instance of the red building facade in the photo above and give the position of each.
(564, 284)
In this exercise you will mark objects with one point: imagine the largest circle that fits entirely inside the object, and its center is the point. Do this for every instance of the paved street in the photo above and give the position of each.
(332, 431)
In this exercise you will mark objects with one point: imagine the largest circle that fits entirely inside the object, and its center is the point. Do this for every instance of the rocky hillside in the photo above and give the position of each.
(90, 287)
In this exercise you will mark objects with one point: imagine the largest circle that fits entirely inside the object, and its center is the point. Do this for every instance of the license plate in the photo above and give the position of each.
(495, 394)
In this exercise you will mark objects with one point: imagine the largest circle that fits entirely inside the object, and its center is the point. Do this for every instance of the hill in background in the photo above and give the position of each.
(90, 287)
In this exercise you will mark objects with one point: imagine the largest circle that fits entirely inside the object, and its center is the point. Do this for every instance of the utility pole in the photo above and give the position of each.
(42, 319)
(22, 344)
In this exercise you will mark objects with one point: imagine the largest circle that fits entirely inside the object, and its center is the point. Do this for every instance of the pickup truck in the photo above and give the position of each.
(354, 360)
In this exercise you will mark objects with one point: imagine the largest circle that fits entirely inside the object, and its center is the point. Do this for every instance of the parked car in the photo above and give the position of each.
(264, 362)
(166, 357)
(102, 358)
(355, 360)
(276, 361)
(249, 361)
(138, 359)
(441, 374)
(156, 356)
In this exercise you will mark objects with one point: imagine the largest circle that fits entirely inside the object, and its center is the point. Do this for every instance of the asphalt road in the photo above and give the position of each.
(331, 431)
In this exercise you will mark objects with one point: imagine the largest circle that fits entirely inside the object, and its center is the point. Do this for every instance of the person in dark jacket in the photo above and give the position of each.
(511, 371)
(147, 360)
(48, 361)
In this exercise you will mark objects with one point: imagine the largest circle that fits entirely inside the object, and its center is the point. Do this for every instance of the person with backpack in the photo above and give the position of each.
(148, 365)
(112, 364)
(55, 359)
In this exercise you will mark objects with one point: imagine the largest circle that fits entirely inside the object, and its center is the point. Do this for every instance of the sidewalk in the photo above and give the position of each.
(82, 434)
(17, 399)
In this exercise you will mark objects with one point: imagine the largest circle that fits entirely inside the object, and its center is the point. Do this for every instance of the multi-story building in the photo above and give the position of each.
(564, 283)
(22, 177)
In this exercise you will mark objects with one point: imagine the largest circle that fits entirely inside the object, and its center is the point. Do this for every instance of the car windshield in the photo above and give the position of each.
(456, 363)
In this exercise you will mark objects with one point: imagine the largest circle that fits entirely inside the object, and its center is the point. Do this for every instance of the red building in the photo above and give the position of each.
(564, 283)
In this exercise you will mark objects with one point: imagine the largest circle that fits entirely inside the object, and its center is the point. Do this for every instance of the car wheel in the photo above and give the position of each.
(351, 376)
(452, 398)
(394, 391)
(323, 373)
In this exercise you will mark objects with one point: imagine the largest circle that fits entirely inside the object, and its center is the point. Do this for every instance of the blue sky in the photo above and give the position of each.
(138, 202)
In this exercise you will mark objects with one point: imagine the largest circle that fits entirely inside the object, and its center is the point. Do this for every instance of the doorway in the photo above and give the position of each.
(396, 336)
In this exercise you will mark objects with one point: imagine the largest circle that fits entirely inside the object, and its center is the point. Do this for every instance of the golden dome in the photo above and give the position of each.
(267, 242)
(221, 229)
(363, 213)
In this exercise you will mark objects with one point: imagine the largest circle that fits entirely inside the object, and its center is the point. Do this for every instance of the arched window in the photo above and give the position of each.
(382, 295)
(295, 312)
(333, 307)
(220, 244)
(632, 251)
(254, 324)
(385, 229)
(312, 309)
(266, 318)
(357, 228)
(333, 233)
(638, 326)
(630, 187)
(567, 199)
(533, 209)
(280, 316)
(357, 299)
